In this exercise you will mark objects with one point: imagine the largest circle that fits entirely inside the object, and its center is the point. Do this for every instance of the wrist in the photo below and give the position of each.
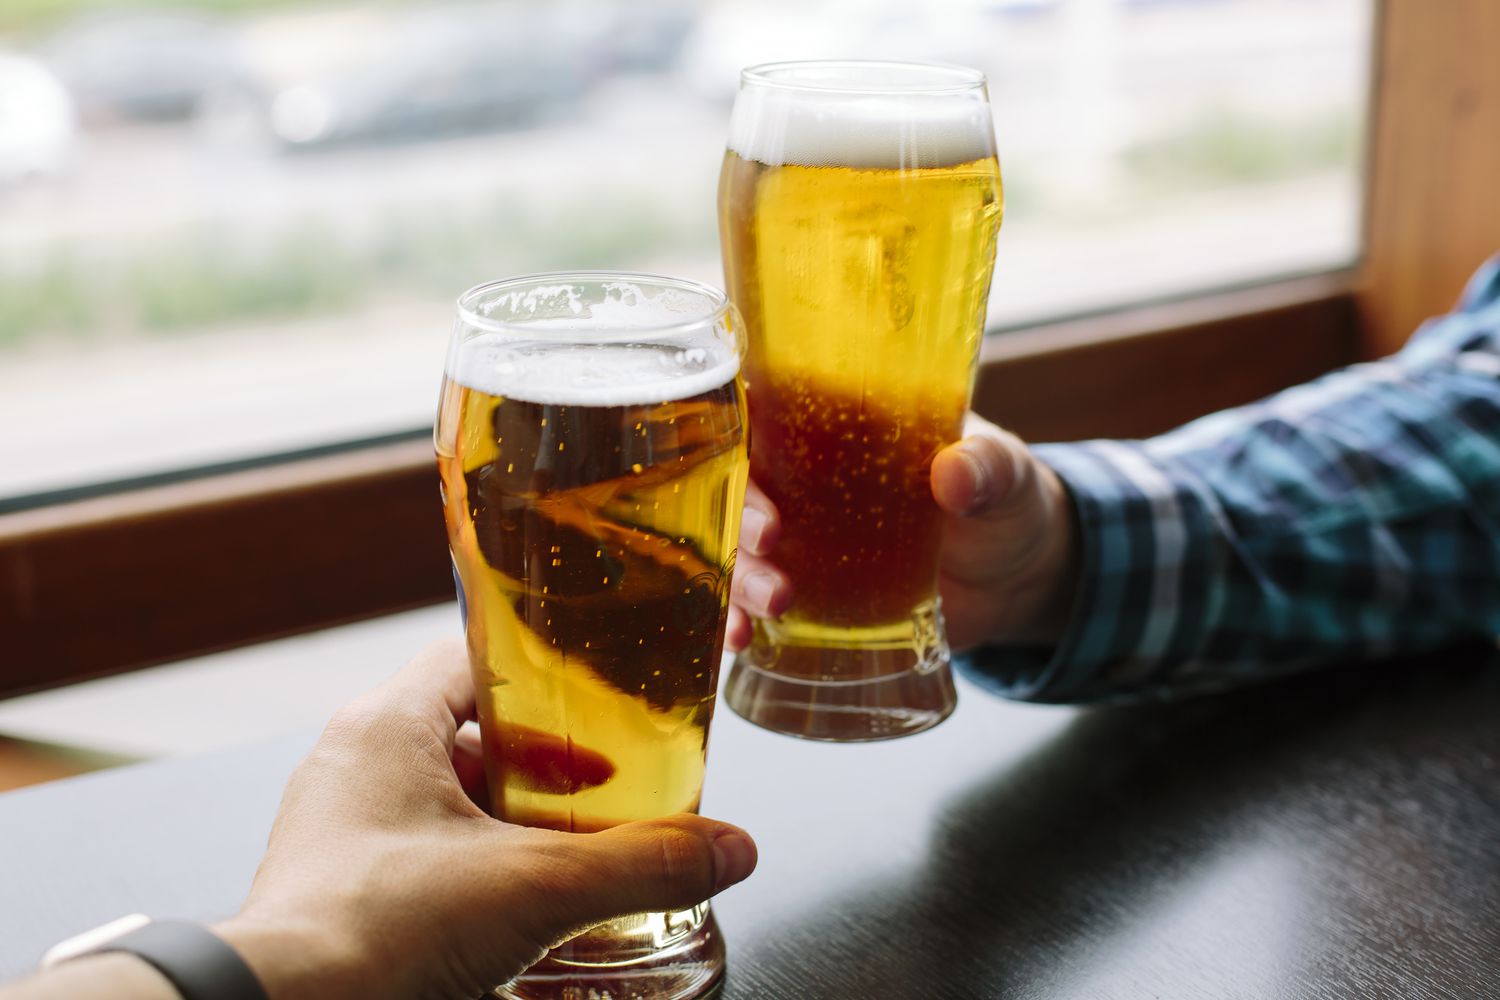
(295, 959)
(117, 975)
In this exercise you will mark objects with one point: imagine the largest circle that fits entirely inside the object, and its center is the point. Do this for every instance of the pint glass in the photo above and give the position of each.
(591, 441)
(858, 208)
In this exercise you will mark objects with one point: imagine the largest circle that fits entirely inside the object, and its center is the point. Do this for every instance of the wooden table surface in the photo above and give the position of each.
(1330, 836)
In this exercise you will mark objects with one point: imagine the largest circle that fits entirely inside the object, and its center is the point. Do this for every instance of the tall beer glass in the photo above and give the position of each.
(858, 208)
(591, 441)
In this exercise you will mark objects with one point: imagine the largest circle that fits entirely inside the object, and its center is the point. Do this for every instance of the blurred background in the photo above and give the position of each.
(235, 228)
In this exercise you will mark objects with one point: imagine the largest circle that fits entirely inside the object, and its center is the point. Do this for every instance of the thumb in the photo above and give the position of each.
(981, 474)
(647, 866)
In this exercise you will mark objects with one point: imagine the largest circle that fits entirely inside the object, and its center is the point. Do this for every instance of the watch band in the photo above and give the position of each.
(195, 960)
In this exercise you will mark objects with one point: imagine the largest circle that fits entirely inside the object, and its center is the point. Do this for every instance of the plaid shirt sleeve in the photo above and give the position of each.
(1355, 516)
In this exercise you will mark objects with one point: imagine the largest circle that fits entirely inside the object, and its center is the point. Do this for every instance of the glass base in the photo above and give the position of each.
(845, 685)
(650, 956)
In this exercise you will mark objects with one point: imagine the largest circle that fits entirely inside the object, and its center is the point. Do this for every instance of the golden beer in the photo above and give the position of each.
(592, 489)
(858, 229)
(595, 544)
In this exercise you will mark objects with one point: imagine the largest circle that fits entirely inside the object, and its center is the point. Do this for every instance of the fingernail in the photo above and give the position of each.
(981, 475)
(737, 633)
(734, 858)
(752, 527)
(759, 589)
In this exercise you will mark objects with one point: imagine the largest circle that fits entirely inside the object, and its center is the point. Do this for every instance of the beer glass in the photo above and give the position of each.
(858, 208)
(591, 442)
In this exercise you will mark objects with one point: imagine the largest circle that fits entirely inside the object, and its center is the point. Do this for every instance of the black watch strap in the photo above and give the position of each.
(199, 963)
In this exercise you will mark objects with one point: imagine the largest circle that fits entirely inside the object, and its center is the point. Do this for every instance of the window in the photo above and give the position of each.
(1156, 147)
(216, 288)
(235, 229)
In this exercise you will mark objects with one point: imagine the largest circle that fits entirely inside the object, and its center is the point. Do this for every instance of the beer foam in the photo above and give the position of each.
(603, 374)
(865, 130)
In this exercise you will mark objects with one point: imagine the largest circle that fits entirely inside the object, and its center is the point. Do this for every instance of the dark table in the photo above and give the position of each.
(1331, 836)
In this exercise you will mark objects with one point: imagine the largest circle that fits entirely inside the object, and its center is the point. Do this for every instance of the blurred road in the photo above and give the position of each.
(1075, 90)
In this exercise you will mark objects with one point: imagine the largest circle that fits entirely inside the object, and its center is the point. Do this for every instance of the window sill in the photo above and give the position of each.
(104, 585)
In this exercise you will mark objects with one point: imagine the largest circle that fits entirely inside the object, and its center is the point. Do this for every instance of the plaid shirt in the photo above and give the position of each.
(1355, 516)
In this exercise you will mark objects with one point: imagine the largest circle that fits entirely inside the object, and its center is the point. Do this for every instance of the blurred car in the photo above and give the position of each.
(144, 65)
(363, 76)
(36, 120)
(641, 37)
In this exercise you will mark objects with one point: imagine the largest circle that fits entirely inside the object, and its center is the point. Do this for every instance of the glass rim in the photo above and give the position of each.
(948, 78)
(717, 301)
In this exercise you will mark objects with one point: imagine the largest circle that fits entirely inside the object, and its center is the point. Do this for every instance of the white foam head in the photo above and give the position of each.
(582, 374)
(594, 339)
(862, 115)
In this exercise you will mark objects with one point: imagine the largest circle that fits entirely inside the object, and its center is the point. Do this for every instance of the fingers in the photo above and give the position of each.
(738, 632)
(468, 764)
(437, 684)
(646, 866)
(759, 590)
(435, 692)
(676, 860)
(1009, 556)
(442, 672)
(760, 525)
(984, 473)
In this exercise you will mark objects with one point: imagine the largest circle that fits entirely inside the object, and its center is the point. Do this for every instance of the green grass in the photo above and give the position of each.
(207, 278)
(21, 16)
(202, 279)
(1230, 147)
(197, 283)
(51, 301)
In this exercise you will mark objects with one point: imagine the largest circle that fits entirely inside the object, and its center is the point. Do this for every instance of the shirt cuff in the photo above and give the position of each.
(1145, 598)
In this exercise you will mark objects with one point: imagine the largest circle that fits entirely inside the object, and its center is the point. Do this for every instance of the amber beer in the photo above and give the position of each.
(858, 228)
(592, 494)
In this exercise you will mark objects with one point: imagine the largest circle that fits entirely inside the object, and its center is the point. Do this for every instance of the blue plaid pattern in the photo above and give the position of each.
(1355, 516)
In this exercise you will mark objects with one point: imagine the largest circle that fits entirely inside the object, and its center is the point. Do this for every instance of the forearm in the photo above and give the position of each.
(94, 977)
(293, 960)
(384, 877)
(1356, 516)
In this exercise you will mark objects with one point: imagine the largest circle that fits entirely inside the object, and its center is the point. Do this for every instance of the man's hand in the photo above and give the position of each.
(383, 878)
(1009, 560)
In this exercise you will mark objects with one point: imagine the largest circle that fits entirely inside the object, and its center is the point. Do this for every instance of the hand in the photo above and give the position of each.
(383, 878)
(1008, 568)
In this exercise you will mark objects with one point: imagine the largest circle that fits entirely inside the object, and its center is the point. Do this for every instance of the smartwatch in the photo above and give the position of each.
(198, 963)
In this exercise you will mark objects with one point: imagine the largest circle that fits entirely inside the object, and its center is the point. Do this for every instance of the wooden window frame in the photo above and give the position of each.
(106, 584)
